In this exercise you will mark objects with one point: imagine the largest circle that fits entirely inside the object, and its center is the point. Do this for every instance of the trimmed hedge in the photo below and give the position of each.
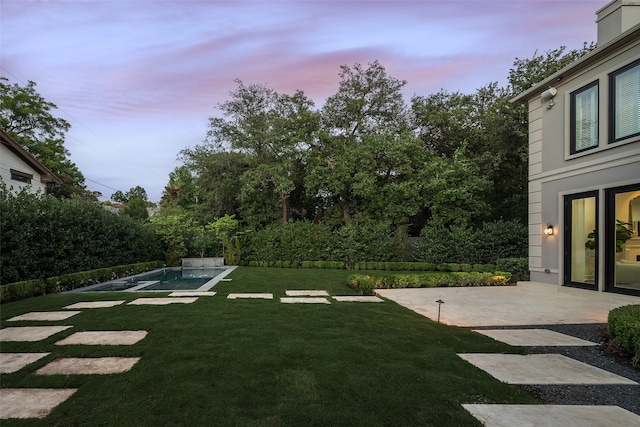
(366, 285)
(382, 266)
(43, 236)
(518, 267)
(21, 290)
(623, 326)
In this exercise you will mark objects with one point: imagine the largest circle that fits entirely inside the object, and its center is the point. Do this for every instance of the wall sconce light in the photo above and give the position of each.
(548, 95)
(549, 230)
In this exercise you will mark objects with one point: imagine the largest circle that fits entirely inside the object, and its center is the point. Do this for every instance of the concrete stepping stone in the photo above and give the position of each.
(192, 294)
(533, 337)
(250, 295)
(13, 362)
(162, 301)
(552, 415)
(305, 293)
(304, 300)
(103, 338)
(45, 316)
(94, 304)
(356, 298)
(88, 366)
(542, 369)
(31, 402)
(29, 333)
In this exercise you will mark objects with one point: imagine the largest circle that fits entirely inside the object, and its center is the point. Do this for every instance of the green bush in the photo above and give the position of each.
(21, 290)
(43, 236)
(483, 245)
(623, 326)
(518, 267)
(366, 285)
(25, 289)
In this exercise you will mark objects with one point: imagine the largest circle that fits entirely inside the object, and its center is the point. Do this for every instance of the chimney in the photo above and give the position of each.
(617, 17)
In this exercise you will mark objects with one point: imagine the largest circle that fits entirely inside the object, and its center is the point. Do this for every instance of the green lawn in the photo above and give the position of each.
(220, 362)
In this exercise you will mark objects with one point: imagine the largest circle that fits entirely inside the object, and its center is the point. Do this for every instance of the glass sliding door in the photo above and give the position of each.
(623, 242)
(581, 240)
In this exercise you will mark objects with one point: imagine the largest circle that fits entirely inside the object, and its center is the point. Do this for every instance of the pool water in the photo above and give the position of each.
(180, 280)
(167, 279)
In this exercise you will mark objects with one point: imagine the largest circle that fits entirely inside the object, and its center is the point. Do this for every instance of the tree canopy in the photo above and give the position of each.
(448, 159)
(28, 118)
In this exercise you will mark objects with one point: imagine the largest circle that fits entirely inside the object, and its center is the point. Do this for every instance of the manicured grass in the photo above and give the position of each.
(263, 363)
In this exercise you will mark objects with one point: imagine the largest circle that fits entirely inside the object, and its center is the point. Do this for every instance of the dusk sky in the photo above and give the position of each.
(138, 79)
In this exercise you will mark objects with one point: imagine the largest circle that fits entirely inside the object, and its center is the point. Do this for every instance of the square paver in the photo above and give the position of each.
(31, 402)
(356, 298)
(250, 295)
(13, 362)
(88, 366)
(103, 338)
(304, 300)
(541, 369)
(45, 316)
(534, 337)
(192, 294)
(307, 293)
(163, 301)
(29, 333)
(93, 304)
(552, 415)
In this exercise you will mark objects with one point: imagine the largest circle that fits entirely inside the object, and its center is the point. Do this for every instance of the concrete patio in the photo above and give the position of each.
(528, 303)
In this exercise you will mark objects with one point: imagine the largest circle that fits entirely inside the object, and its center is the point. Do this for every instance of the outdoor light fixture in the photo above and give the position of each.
(440, 302)
(548, 95)
(549, 230)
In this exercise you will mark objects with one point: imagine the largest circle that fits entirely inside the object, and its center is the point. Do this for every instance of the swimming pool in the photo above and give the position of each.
(165, 279)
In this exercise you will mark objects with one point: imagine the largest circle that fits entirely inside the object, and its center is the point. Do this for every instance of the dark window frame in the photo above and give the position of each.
(568, 231)
(612, 103)
(572, 117)
(19, 176)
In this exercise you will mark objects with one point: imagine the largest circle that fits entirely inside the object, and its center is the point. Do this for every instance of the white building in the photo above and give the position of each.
(19, 168)
(584, 162)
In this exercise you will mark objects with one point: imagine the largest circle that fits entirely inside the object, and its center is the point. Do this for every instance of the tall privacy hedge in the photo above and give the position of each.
(43, 236)
(303, 241)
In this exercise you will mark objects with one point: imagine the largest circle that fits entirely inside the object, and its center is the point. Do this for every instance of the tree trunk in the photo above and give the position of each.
(284, 201)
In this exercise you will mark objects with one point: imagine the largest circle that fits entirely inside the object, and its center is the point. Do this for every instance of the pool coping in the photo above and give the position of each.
(144, 283)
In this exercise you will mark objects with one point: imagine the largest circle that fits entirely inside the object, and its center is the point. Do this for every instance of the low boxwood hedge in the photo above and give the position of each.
(623, 327)
(366, 285)
(29, 288)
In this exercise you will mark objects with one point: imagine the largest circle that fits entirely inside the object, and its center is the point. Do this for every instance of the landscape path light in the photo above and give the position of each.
(440, 302)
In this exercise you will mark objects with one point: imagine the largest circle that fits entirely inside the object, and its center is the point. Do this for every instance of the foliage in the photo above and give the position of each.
(484, 245)
(623, 327)
(28, 118)
(623, 233)
(518, 267)
(366, 284)
(136, 208)
(21, 290)
(43, 236)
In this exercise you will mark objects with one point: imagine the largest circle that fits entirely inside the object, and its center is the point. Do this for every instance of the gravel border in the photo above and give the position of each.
(624, 396)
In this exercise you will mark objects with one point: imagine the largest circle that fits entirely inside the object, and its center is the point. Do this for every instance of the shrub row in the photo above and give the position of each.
(485, 244)
(43, 236)
(383, 266)
(366, 285)
(518, 267)
(623, 326)
(25, 289)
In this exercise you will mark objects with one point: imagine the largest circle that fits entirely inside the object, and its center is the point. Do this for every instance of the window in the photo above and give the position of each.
(21, 176)
(625, 97)
(584, 118)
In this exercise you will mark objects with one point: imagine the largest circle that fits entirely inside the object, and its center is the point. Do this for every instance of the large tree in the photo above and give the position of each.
(362, 147)
(272, 129)
(28, 118)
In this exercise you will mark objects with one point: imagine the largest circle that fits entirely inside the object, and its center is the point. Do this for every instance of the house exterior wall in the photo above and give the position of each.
(554, 172)
(8, 161)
